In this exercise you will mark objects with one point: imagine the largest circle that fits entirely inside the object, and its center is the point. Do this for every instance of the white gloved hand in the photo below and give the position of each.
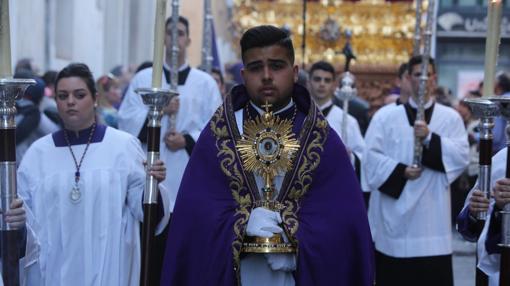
(263, 223)
(281, 261)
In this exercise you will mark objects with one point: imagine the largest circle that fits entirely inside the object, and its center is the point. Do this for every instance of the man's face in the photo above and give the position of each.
(405, 88)
(269, 75)
(414, 81)
(183, 39)
(321, 84)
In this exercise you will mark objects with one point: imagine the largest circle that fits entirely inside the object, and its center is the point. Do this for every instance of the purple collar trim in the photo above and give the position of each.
(82, 138)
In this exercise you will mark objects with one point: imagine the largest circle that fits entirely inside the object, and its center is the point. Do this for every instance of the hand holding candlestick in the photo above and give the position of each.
(486, 110)
(504, 274)
(156, 99)
(10, 90)
(420, 113)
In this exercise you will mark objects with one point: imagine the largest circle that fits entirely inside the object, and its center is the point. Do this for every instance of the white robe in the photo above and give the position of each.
(95, 241)
(255, 269)
(354, 140)
(198, 100)
(417, 223)
(489, 263)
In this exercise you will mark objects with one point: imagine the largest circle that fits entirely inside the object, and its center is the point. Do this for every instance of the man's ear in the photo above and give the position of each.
(296, 72)
(242, 74)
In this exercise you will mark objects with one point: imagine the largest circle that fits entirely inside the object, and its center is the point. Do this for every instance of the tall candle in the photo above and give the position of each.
(159, 35)
(494, 10)
(5, 41)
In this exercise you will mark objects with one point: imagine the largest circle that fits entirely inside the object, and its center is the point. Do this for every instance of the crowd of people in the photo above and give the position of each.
(353, 203)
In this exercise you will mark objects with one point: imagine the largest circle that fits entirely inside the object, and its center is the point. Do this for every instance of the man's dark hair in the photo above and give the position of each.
(182, 20)
(24, 65)
(264, 36)
(402, 70)
(417, 60)
(503, 81)
(322, 65)
(218, 72)
(78, 70)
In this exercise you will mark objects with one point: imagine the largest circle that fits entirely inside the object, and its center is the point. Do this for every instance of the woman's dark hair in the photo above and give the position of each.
(78, 70)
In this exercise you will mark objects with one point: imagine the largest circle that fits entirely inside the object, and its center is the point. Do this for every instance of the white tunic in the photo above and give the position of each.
(354, 140)
(417, 223)
(95, 241)
(198, 100)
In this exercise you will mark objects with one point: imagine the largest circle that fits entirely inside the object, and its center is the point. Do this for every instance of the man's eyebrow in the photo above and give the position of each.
(277, 61)
(254, 63)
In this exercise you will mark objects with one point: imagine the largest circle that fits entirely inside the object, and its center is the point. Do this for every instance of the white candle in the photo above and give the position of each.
(159, 35)
(494, 10)
(5, 41)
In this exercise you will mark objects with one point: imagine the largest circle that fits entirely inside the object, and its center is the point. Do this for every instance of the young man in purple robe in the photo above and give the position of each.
(323, 214)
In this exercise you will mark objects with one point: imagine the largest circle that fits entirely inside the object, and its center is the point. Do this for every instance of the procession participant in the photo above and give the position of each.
(323, 212)
(490, 235)
(198, 99)
(84, 185)
(409, 214)
(322, 85)
(183, 119)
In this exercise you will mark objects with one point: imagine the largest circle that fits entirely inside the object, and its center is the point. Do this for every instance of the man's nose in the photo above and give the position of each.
(267, 73)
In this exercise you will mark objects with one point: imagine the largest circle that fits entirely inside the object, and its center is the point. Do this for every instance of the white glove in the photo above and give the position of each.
(281, 261)
(263, 223)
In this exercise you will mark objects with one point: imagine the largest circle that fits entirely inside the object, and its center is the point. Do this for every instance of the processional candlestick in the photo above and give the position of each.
(10, 90)
(156, 98)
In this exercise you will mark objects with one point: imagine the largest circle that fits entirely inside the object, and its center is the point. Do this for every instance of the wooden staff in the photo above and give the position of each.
(156, 99)
(10, 89)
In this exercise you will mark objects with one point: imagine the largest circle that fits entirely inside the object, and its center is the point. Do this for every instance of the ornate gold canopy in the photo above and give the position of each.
(382, 31)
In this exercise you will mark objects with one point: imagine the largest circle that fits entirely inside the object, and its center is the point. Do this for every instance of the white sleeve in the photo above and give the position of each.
(455, 149)
(136, 187)
(132, 111)
(210, 101)
(376, 167)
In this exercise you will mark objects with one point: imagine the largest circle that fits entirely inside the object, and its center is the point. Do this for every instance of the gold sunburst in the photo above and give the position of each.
(268, 145)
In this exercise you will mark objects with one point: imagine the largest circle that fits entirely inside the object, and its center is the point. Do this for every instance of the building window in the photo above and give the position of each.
(464, 3)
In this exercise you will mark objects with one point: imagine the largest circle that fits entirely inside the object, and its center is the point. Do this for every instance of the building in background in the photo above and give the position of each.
(102, 33)
(460, 53)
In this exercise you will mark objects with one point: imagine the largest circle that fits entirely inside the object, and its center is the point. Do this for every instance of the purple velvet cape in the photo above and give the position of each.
(324, 212)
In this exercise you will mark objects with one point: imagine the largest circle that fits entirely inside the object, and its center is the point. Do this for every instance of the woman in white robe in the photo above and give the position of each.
(84, 185)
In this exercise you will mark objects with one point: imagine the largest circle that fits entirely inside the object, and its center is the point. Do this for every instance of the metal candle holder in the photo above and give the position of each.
(486, 110)
(156, 99)
(10, 90)
(345, 94)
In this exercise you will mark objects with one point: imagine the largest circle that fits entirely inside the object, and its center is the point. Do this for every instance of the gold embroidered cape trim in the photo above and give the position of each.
(242, 185)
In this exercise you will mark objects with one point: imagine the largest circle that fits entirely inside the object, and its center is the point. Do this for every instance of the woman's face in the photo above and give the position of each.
(75, 103)
(114, 95)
